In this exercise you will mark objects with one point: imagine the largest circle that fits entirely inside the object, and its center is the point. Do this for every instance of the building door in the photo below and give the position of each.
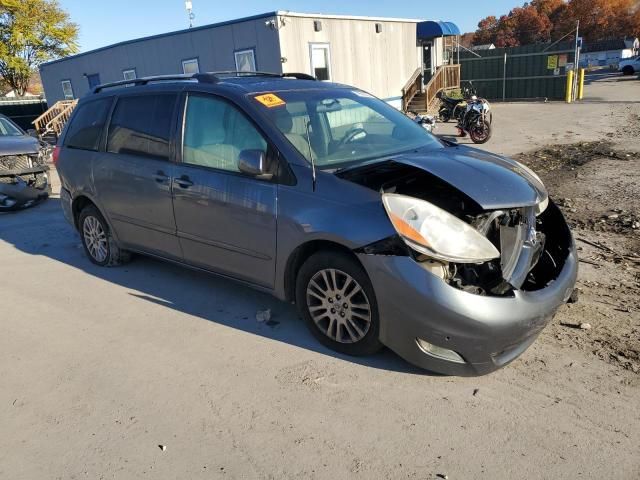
(94, 80)
(321, 61)
(427, 64)
(226, 220)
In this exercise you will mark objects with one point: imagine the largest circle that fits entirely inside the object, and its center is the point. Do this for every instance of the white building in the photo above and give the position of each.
(608, 53)
(379, 55)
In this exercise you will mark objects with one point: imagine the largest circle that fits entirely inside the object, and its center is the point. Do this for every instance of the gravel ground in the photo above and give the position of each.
(100, 368)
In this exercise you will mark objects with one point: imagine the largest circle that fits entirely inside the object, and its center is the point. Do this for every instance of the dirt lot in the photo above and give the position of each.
(99, 367)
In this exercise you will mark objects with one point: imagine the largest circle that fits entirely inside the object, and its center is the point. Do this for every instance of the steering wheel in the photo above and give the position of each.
(350, 135)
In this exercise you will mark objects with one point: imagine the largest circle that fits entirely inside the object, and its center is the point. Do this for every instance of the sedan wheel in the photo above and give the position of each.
(339, 306)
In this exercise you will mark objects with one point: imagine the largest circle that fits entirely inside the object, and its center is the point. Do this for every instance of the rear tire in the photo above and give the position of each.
(336, 299)
(97, 240)
(628, 70)
(444, 115)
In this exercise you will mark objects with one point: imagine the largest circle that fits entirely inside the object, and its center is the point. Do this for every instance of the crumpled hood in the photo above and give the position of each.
(492, 181)
(18, 145)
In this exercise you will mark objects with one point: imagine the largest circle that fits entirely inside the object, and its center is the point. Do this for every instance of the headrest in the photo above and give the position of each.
(283, 119)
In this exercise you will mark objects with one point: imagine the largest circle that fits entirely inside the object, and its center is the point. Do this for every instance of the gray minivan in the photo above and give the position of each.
(324, 196)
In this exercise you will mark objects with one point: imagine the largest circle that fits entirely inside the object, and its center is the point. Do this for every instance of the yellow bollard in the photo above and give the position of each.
(581, 84)
(569, 92)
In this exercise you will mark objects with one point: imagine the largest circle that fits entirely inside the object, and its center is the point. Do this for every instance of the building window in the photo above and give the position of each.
(189, 67)
(67, 90)
(321, 61)
(129, 74)
(245, 61)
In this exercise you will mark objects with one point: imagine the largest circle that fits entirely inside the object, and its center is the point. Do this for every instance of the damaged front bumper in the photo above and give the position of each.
(443, 328)
(24, 182)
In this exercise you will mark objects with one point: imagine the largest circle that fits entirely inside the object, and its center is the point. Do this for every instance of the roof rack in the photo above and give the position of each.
(209, 77)
(199, 77)
(299, 76)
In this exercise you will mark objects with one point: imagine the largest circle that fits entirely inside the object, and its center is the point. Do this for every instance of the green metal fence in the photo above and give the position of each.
(23, 111)
(532, 71)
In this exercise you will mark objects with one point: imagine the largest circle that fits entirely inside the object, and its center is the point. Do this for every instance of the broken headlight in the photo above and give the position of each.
(435, 232)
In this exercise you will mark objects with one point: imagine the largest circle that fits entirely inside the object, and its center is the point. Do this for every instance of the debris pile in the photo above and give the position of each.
(617, 221)
(574, 155)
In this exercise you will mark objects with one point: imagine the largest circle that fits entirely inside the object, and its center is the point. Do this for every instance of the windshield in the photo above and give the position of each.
(8, 129)
(341, 127)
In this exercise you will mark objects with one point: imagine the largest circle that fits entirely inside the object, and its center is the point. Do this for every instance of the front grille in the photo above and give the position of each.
(17, 162)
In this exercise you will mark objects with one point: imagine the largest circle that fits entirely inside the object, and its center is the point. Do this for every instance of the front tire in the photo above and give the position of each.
(336, 299)
(97, 240)
(480, 132)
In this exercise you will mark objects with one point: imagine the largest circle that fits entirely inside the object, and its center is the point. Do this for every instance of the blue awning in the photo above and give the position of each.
(430, 29)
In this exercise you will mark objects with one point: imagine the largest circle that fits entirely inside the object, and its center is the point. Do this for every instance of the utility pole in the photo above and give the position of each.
(576, 65)
(188, 4)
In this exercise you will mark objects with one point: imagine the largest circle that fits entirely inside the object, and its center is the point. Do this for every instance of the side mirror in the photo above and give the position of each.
(32, 133)
(253, 162)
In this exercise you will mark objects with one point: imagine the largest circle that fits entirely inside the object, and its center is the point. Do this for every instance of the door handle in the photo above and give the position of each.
(160, 177)
(183, 182)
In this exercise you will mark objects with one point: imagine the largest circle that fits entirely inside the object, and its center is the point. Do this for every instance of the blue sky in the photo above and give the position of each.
(117, 20)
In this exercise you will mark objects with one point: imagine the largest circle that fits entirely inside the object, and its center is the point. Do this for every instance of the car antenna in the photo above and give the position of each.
(313, 161)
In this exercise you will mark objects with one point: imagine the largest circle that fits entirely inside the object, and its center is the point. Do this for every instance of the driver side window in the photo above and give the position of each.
(215, 133)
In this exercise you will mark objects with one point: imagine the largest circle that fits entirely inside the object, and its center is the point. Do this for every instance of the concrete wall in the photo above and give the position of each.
(380, 63)
(213, 45)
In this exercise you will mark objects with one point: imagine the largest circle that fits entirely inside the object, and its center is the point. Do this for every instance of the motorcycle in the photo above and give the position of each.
(476, 121)
(450, 108)
(473, 114)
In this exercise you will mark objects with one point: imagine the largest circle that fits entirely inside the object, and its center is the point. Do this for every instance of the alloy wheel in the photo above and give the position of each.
(339, 306)
(95, 239)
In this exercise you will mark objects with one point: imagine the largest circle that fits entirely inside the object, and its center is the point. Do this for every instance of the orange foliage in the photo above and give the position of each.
(546, 20)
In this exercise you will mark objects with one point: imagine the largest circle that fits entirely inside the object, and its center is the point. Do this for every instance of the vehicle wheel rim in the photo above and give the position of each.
(339, 306)
(480, 131)
(95, 238)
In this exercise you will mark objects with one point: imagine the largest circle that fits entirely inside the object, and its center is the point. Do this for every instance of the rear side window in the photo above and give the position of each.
(141, 126)
(86, 128)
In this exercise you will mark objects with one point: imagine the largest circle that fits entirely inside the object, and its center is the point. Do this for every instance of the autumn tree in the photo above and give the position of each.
(32, 32)
(601, 19)
(545, 20)
(547, 7)
(486, 31)
(521, 26)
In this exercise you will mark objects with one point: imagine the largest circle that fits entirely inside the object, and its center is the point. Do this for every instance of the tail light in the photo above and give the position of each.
(56, 155)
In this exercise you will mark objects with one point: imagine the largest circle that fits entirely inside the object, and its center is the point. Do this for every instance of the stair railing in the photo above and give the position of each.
(447, 77)
(411, 89)
(54, 119)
